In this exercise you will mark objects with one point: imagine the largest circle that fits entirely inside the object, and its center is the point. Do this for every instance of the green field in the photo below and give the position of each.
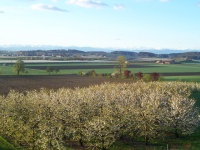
(144, 68)
(168, 68)
(182, 78)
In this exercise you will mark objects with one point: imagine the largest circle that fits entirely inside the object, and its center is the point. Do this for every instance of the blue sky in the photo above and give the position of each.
(173, 24)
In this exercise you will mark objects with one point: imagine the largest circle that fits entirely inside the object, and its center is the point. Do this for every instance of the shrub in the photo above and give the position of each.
(81, 73)
(49, 69)
(108, 75)
(100, 75)
(139, 75)
(56, 70)
(127, 73)
(91, 73)
(147, 78)
(116, 74)
(131, 75)
(155, 76)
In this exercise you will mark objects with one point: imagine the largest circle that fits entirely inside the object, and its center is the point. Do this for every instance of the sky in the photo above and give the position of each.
(131, 24)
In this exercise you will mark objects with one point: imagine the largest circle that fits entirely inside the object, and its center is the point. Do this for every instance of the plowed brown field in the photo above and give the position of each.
(26, 83)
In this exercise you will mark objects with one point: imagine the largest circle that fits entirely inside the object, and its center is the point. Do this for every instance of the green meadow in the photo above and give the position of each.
(143, 67)
(168, 68)
(182, 78)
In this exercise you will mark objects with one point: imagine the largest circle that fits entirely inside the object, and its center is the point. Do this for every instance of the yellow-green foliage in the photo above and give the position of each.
(98, 115)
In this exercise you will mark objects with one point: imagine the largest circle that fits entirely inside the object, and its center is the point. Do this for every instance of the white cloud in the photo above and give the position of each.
(47, 7)
(87, 3)
(118, 6)
(1, 11)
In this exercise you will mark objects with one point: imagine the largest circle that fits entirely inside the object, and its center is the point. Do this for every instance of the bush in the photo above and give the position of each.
(155, 76)
(147, 78)
(100, 75)
(49, 70)
(81, 73)
(91, 73)
(115, 74)
(108, 75)
(127, 73)
(139, 75)
(151, 77)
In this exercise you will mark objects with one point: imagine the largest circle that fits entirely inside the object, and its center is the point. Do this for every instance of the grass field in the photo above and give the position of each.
(108, 67)
(143, 67)
(168, 68)
(182, 78)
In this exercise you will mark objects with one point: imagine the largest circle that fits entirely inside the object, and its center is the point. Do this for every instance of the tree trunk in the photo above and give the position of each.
(81, 142)
(146, 140)
(176, 133)
(103, 147)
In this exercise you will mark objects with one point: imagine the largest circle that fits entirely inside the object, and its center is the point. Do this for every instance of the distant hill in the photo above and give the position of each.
(96, 53)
